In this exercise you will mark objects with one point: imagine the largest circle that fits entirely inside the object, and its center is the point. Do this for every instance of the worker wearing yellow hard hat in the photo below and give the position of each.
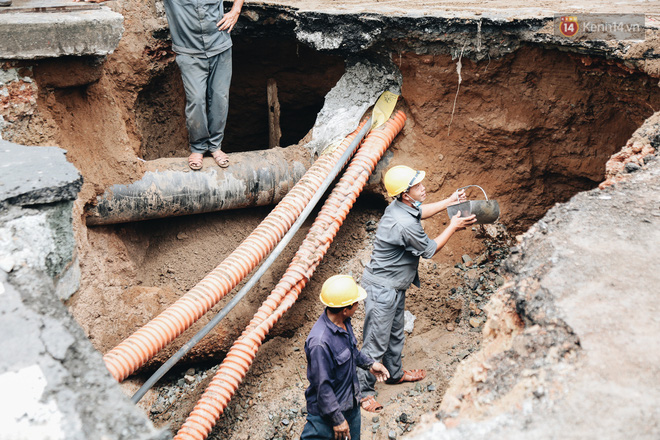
(333, 395)
(400, 242)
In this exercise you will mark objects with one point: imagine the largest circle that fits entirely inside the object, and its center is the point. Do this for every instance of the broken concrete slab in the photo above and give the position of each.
(33, 35)
(36, 175)
(347, 102)
(57, 382)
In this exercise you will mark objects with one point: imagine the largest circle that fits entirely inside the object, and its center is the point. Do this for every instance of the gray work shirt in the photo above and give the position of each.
(193, 25)
(400, 241)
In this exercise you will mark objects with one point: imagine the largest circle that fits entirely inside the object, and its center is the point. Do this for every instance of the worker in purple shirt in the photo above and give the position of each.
(333, 395)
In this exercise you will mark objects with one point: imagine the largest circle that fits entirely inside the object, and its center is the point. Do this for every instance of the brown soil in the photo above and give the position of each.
(533, 128)
(274, 388)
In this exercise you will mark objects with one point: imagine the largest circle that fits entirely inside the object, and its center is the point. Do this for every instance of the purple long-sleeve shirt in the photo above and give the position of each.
(332, 358)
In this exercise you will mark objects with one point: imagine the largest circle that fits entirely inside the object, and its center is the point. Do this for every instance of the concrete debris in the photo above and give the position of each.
(357, 90)
(46, 34)
(409, 321)
(59, 385)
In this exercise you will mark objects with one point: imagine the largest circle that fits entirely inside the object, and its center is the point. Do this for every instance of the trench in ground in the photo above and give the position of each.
(532, 128)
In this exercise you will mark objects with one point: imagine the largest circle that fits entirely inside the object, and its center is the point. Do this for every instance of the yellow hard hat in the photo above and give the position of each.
(400, 178)
(341, 291)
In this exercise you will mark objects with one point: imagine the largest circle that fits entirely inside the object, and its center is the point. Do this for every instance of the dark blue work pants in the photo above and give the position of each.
(318, 428)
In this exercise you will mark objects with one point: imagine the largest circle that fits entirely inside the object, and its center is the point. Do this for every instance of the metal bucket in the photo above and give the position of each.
(487, 211)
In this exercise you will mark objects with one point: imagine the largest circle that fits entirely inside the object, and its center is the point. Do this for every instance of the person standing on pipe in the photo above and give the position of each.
(333, 395)
(400, 241)
(200, 38)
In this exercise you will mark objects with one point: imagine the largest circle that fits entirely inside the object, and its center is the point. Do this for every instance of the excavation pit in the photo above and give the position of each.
(533, 124)
(534, 128)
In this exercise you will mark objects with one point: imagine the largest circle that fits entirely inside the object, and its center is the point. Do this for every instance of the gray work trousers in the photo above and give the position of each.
(206, 82)
(382, 335)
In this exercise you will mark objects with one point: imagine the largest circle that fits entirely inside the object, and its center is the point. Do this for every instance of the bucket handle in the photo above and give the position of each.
(468, 186)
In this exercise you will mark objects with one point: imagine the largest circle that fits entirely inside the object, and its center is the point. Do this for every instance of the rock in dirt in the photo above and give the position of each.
(631, 167)
(472, 279)
(463, 354)
(409, 320)
(391, 435)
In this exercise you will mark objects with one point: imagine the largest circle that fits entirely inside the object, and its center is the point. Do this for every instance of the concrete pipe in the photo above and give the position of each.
(169, 188)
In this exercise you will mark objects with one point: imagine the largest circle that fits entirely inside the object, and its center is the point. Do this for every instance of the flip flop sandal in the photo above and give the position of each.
(410, 376)
(369, 404)
(195, 161)
(221, 158)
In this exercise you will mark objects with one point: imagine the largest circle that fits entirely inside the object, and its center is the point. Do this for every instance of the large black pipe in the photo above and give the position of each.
(169, 188)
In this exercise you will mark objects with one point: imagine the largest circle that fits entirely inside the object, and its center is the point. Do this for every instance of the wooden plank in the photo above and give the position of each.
(274, 130)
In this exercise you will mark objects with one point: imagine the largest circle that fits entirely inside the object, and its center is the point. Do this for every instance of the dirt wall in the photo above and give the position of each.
(533, 128)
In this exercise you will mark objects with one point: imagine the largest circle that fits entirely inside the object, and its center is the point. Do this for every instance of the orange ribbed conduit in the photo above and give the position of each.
(233, 369)
(142, 345)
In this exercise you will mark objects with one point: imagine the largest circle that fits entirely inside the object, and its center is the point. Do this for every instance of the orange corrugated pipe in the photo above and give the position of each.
(142, 345)
(233, 369)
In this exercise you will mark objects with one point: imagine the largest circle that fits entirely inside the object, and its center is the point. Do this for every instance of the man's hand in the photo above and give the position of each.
(229, 20)
(379, 370)
(456, 197)
(431, 209)
(342, 432)
(458, 223)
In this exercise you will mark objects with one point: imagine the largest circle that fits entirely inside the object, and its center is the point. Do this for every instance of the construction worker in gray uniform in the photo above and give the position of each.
(200, 38)
(400, 241)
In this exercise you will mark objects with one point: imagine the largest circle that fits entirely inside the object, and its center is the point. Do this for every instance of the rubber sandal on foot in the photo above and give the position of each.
(410, 376)
(221, 158)
(195, 161)
(369, 404)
